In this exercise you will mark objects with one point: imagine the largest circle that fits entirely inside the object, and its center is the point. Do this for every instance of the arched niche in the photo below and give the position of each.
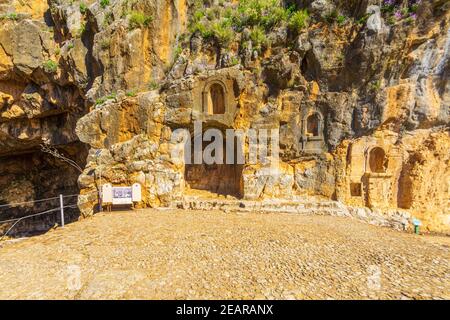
(215, 98)
(313, 124)
(377, 162)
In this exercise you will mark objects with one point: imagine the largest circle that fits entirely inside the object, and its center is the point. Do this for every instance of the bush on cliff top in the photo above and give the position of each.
(223, 21)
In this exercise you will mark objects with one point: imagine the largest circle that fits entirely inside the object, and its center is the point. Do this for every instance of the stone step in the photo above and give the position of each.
(300, 206)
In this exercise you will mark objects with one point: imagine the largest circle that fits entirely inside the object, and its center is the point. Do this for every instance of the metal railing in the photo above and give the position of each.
(59, 208)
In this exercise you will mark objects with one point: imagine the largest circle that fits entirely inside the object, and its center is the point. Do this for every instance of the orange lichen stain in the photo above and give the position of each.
(182, 13)
(129, 124)
(315, 90)
(35, 8)
(165, 34)
(397, 99)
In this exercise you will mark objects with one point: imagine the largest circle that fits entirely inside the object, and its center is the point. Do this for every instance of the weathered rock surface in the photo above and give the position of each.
(360, 96)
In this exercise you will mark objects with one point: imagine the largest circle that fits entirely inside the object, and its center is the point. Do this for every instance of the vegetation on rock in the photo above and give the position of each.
(50, 66)
(104, 3)
(139, 20)
(225, 20)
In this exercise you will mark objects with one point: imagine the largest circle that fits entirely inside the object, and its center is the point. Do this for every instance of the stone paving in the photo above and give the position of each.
(176, 254)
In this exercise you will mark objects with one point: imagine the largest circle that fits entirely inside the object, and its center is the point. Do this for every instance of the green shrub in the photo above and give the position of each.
(235, 61)
(177, 52)
(104, 44)
(260, 16)
(259, 39)
(201, 28)
(276, 16)
(131, 93)
(363, 19)
(299, 20)
(83, 8)
(80, 31)
(101, 100)
(341, 19)
(223, 32)
(104, 3)
(139, 20)
(50, 66)
(153, 85)
(109, 18)
(10, 16)
(198, 15)
(111, 96)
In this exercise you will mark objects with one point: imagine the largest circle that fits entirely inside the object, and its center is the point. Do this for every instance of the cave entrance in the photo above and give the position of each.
(216, 178)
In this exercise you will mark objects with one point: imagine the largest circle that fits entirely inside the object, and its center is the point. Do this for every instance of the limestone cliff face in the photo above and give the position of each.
(358, 91)
(40, 102)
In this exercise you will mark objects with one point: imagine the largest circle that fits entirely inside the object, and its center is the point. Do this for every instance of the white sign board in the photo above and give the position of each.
(122, 195)
(107, 195)
(136, 192)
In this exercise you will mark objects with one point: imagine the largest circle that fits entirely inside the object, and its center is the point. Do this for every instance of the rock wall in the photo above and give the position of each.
(40, 103)
(358, 92)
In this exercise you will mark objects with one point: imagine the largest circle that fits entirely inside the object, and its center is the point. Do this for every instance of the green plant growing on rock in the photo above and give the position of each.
(111, 96)
(104, 3)
(222, 22)
(376, 85)
(177, 52)
(259, 39)
(299, 20)
(223, 32)
(109, 18)
(10, 16)
(80, 31)
(83, 8)
(131, 93)
(363, 19)
(341, 20)
(50, 66)
(105, 44)
(102, 100)
(139, 20)
(235, 61)
(153, 85)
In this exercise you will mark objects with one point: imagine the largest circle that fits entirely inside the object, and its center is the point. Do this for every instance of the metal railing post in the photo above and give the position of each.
(61, 204)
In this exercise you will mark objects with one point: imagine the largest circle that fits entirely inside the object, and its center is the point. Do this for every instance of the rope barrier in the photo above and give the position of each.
(27, 202)
(29, 216)
(42, 200)
(60, 208)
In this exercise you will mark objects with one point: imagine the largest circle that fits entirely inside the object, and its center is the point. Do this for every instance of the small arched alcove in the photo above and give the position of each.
(313, 125)
(215, 102)
(377, 160)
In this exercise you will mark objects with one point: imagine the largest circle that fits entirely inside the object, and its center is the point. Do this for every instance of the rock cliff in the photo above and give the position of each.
(357, 90)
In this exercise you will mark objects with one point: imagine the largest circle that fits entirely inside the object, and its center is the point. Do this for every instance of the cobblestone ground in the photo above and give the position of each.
(203, 255)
